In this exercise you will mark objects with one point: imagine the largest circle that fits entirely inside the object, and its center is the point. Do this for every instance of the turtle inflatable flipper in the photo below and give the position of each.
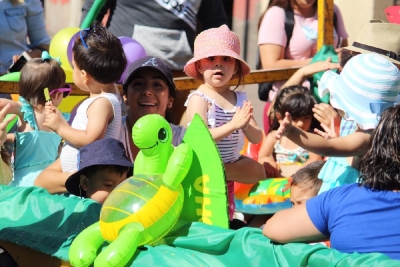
(143, 208)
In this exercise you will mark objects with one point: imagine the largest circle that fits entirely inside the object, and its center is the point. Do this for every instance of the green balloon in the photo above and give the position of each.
(12, 123)
(11, 77)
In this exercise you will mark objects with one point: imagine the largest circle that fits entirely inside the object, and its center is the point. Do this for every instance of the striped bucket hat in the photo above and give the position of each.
(367, 85)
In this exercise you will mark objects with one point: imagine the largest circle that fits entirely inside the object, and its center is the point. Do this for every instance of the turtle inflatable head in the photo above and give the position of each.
(152, 134)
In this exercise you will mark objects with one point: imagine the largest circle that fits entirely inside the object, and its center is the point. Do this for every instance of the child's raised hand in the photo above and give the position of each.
(324, 113)
(316, 67)
(242, 116)
(330, 132)
(49, 108)
(285, 124)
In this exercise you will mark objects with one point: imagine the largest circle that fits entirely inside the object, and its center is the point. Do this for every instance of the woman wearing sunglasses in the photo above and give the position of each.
(36, 146)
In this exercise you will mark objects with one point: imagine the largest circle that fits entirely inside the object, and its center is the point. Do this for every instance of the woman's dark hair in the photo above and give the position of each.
(36, 75)
(380, 167)
(100, 54)
(297, 100)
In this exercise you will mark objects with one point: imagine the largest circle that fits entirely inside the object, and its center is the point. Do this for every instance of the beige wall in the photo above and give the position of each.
(60, 14)
(356, 13)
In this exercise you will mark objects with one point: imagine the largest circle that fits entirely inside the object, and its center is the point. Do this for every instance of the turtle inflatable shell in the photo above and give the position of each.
(145, 200)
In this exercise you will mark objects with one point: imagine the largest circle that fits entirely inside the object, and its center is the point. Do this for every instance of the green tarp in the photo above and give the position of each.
(48, 223)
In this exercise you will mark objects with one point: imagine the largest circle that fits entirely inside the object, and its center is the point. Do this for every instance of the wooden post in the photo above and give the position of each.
(185, 83)
(325, 23)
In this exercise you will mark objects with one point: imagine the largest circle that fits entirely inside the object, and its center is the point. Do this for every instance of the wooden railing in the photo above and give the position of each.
(325, 36)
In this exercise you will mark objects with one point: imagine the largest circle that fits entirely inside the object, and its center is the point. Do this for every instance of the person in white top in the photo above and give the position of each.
(98, 62)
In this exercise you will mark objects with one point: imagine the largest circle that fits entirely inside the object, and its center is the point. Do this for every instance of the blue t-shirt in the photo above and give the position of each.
(358, 219)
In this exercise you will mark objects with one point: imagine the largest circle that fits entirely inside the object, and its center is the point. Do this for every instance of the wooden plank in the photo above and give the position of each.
(325, 23)
(27, 257)
(185, 83)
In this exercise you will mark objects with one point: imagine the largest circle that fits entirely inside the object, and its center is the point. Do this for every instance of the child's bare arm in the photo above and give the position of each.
(200, 106)
(266, 156)
(14, 108)
(197, 105)
(52, 178)
(245, 170)
(99, 113)
(306, 71)
(351, 145)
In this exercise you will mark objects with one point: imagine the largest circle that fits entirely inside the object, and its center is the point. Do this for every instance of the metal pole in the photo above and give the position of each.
(246, 29)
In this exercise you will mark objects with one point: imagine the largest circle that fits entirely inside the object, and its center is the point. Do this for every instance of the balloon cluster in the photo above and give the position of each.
(62, 43)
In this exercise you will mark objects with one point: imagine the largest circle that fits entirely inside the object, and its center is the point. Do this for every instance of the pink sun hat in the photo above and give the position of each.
(215, 42)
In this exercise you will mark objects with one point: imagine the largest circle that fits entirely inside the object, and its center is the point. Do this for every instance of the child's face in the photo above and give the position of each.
(217, 71)
(100, 185)
(303, 122)
(300, 194)
(77, 75)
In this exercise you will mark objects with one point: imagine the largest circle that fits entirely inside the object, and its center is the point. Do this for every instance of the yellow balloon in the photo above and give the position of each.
(59, 45)
(68, 74)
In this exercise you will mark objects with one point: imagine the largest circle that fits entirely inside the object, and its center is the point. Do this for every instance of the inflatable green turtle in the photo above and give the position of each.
(143, 208)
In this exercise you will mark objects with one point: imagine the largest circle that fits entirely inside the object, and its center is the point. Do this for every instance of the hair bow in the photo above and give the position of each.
(46, 56)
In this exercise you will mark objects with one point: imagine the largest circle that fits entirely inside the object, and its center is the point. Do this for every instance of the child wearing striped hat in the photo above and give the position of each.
(367, 85)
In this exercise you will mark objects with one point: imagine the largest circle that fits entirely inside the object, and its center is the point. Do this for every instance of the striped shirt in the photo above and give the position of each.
(229, 147)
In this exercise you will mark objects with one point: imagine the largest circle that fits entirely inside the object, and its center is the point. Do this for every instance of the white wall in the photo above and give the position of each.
(357, 13)
(62, 14)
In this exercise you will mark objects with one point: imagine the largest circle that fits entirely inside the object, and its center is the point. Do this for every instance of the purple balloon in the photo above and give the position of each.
(69, 48)
(133, 51)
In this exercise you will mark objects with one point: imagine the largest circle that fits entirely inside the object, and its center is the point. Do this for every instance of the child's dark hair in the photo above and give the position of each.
(380, 167)
(100, 54)
(93, 170)
(308, 176)
(297, 100)
(36, 75)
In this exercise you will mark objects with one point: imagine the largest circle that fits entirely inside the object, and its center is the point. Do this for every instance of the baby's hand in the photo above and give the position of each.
(242, 116)
(285, 124)
(54, 119)
(49, 108)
